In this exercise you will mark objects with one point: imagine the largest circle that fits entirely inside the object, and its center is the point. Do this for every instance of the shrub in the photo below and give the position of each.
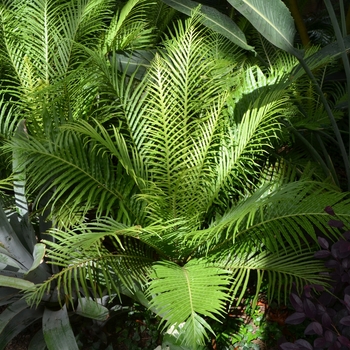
(328, 311)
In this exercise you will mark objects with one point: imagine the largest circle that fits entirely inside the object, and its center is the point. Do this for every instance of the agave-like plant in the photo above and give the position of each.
(43, 42)
(178, 203)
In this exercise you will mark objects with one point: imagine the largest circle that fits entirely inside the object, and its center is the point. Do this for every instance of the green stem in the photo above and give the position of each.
(331, 117)
(342, 16)
(346, 64)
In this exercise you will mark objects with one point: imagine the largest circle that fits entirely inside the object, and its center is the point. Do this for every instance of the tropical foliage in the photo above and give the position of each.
(161, 164)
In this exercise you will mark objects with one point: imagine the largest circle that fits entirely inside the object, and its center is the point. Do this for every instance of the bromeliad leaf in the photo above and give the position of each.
(272, 19)
(13, 282)
(38, 255)
(57, 330)
(92, 309)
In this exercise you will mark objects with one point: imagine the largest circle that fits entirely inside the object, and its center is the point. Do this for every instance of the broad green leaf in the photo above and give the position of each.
(135, 62)
(20, 222)
(38, 341)
(8, 295)
(19, 174)
(10, 312)
(57, 330)
(38, 255)
(91, 309)
(7, 263)
(18, 323)
(272, 19)
(14, 282)
(214, 20)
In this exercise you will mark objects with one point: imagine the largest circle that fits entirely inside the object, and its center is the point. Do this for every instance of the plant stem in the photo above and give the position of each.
(332, 119)
(346, 64)
(298, 19)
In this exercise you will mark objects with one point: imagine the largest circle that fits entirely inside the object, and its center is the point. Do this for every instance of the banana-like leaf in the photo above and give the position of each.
(213, 19)
(19, 174)
(272, 19)
(38, 255)
(57, 330)
(91, 309)
(14, 282)
(8, 295)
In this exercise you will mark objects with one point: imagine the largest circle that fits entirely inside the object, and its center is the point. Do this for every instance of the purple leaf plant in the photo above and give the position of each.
(326, 311)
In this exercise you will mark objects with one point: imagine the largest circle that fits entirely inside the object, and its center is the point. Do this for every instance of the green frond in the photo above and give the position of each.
(93, 263)
(276, 218)
(80, 176)
(8, 119)
(188, 294)
(130, 28)
(279, 270)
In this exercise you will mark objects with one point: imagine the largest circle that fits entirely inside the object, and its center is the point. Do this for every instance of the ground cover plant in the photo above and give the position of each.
(161, 178)
(326, 311)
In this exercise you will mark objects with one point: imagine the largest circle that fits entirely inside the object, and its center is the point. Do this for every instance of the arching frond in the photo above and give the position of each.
(95, 264)
(130, 28)
(280, 271)
(276, 218)
(79, 174)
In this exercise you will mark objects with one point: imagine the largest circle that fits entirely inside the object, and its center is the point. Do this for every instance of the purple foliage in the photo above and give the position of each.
(327, 312)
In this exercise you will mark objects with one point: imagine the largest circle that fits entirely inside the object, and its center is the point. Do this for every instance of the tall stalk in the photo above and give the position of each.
(339, 37)
(331, 117)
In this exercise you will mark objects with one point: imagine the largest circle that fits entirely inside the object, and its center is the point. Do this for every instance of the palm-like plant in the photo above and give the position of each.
(42, 43)
(177, 202)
